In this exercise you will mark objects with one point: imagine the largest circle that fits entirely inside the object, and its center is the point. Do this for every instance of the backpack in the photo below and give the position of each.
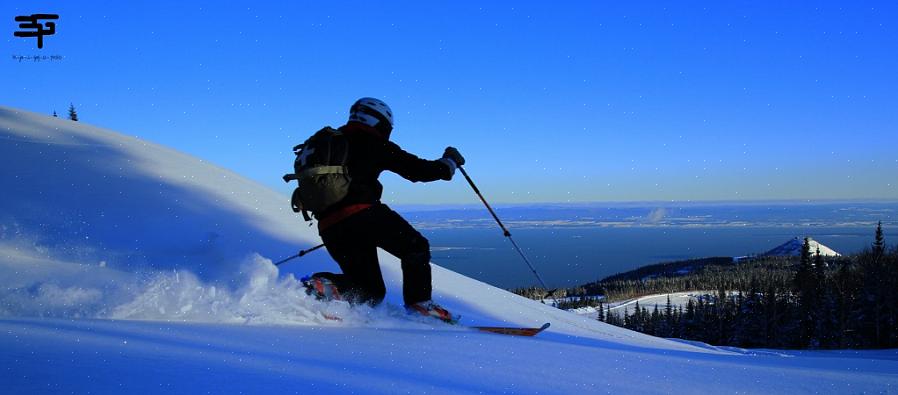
(321, 172)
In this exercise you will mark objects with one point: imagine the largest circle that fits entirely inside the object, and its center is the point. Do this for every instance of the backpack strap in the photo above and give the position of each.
(296, 205)
(297, 149)
(320, 170)
(346, 151)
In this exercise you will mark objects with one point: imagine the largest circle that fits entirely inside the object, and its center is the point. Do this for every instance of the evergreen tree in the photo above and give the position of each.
(771, 316)
(819, 266)
(54, 114)
(644, 319)
(874, 314)
(667, 326)
(824, 305)
(601, 316)
(677, 326)
(828, 326)
(73, 115)
(668, 309)
(699, 322)
(751, 326)
(654, 325)
(879, 244)
(884, 275)
(723, 312)
(805, 287)
(845, 293)
(891, 297)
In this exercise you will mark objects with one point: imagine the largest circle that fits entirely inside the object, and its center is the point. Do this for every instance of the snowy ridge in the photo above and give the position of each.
(120, 257)
(793, 248)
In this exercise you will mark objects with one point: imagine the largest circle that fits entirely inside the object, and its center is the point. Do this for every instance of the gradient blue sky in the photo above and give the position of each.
(549, 101)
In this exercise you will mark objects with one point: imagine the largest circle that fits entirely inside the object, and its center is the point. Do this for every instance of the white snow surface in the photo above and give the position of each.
(677, 299)
(128, 267)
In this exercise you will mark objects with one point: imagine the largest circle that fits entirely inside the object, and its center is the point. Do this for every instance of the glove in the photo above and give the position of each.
(453, 154)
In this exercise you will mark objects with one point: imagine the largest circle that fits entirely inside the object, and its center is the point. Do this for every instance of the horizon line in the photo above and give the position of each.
(650, 202)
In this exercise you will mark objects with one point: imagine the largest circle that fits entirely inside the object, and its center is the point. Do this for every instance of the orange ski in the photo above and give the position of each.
(512, 331)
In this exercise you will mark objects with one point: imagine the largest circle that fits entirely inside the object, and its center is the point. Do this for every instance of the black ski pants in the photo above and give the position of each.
(353, 243)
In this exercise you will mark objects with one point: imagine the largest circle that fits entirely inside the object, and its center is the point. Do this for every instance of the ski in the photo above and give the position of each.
(512, 331)
(331, 317)
(321, 287)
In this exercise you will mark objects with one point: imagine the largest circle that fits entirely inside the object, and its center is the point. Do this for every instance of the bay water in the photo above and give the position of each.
(569, 256)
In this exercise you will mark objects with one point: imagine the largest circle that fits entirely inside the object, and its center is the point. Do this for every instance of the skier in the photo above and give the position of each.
(353, 228)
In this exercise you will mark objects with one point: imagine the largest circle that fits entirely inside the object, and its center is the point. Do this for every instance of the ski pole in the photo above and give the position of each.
(508, 235)
(301, 253)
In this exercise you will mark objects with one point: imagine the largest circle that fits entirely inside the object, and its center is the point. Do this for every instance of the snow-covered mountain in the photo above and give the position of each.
(129, 267)
(793, 248)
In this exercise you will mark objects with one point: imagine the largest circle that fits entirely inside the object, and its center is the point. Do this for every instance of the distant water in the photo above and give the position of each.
(572, 256)
(572, 244)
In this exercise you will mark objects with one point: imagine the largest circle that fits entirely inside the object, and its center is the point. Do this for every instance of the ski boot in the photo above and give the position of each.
(428, 308)
(322, 287)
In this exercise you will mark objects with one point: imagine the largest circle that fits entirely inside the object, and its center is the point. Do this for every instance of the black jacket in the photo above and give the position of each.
(370, 154)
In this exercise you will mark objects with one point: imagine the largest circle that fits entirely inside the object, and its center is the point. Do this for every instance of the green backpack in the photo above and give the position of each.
(321, 172)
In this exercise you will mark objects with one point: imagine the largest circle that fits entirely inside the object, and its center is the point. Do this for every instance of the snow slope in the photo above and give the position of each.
(130, 267)
(677, 299)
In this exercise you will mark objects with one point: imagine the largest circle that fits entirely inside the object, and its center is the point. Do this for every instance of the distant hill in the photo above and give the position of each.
(648, 273)
(669, 269)
(793, 248)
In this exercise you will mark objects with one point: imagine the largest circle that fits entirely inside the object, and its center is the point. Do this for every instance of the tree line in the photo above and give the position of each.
(809, 301)
(73, 114)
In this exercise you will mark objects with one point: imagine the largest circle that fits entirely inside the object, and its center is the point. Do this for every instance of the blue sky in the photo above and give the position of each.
(581, 101)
